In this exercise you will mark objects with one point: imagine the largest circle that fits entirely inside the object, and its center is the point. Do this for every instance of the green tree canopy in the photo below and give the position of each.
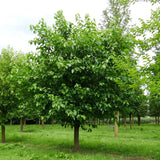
(76, 70)
(150, 31)
(9, 100)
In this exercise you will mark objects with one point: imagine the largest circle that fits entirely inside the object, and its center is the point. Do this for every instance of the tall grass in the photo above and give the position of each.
(57, 143)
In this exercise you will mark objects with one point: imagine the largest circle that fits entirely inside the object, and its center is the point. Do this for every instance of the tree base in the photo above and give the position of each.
(76, 138)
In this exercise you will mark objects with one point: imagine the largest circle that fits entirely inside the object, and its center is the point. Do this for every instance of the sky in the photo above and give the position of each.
(17, 15)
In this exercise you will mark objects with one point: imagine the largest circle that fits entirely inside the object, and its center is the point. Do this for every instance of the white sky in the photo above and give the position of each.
(17, 15)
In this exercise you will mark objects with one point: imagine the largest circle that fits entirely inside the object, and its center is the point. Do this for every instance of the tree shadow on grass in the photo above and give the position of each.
(65, 148)
(130, 152)
(29, 131)
(16, 139)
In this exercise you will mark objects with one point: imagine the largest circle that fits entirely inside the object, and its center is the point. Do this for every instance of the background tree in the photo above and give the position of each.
(23, 72)
(153, 86)
(150, 43)
(131, 82)
(154, 107)
(118, 13)
(8, 87)
(140, 105)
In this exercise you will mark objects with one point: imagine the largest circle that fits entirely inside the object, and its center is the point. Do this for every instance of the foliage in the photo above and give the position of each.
(130, 79)
(9, 99)
(153, 86)
(23, 73)
(117, 13)
(77, 68)
(150, 42)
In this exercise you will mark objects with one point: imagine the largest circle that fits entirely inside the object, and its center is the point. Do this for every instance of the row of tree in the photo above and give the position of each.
(81, 71)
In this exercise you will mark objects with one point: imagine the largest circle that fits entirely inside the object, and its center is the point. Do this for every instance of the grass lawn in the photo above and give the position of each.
(143, 142)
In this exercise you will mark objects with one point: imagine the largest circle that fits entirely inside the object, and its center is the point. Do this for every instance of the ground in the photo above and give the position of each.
(56, 142)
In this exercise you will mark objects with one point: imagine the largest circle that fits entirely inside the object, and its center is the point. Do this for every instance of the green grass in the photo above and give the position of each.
(143, 142)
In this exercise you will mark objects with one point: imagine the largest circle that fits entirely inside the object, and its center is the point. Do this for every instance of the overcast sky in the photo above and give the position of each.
(17, 15)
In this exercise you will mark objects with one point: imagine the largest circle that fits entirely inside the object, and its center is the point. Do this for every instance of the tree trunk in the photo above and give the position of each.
(76, 138)
(52, 123)
(155, 120)
(103, 121)
(24, 122)
(108, 122)
(125, 125)
(158, 120)
(116, 125)
(3, 133)
(139, 120)
(11, 122)
(107, 125)
(130, 117)
(122, 120)
(119, 120)
(21, 124)
(132, 121)
(93, 121)
(43, 124)
(99, 121)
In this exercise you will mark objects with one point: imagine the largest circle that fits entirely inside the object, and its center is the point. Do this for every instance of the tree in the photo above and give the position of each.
(117, 13)
(154, 107)
(150, 42)
(23, 72)
(141, 106)
(153, 87)
(76, 69)
(8, 87)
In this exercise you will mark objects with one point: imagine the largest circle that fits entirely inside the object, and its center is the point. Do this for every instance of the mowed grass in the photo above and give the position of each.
(142, 142)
